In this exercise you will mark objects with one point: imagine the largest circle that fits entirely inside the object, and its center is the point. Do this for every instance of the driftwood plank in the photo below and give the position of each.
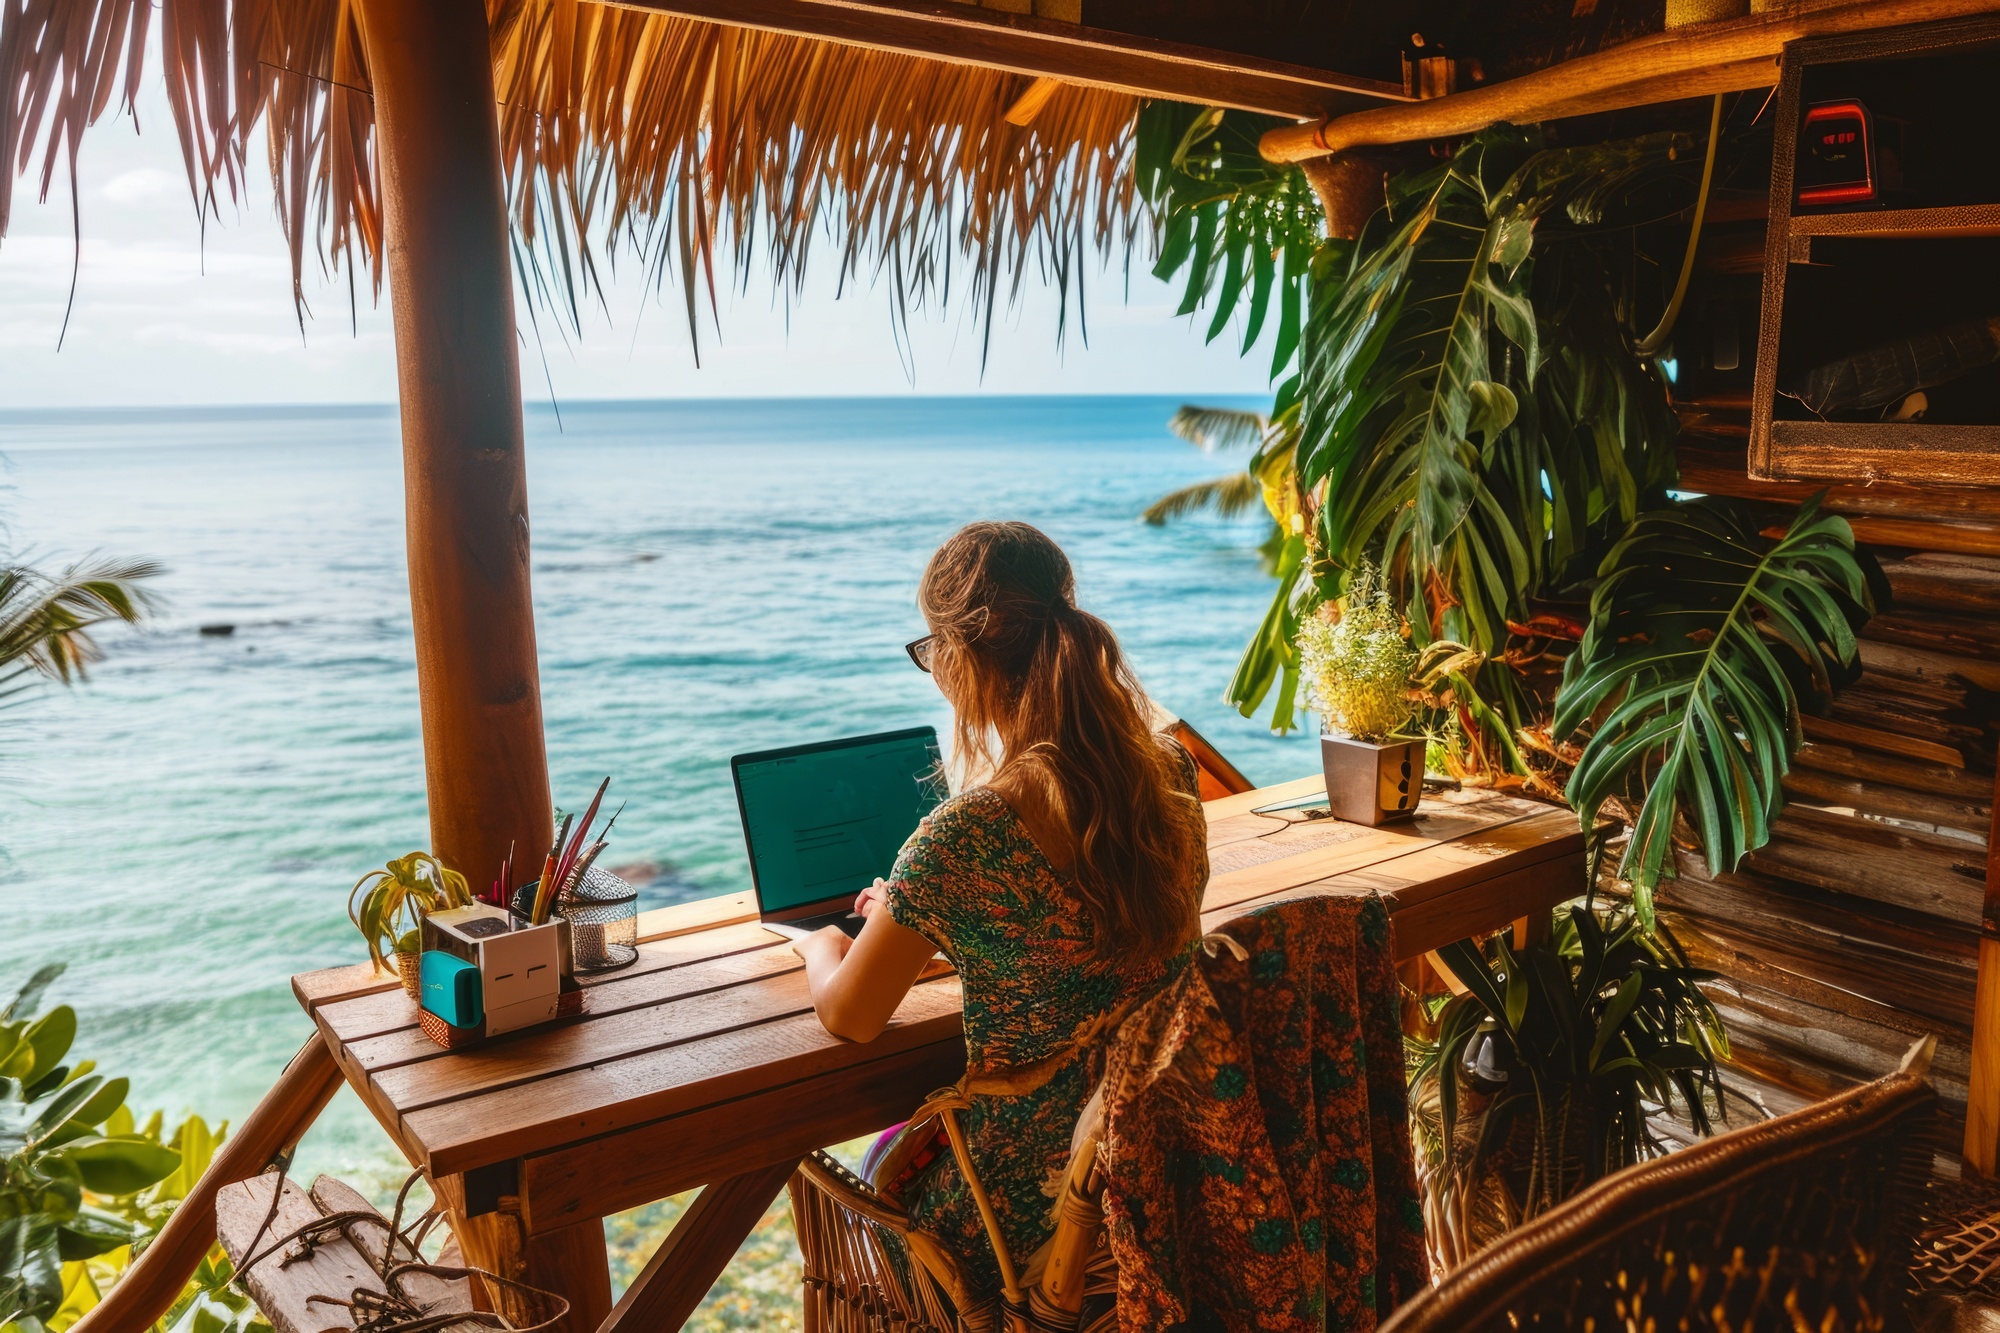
(285, 1284)
(433, 1293)
(1931, 779)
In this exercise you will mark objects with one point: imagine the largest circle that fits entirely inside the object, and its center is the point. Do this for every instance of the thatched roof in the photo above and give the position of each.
(682, 140)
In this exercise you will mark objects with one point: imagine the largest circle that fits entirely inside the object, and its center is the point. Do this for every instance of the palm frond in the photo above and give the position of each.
(1217, 430)
(1242, 228)
(1705, 635)
(45, 619)
(1229, 496)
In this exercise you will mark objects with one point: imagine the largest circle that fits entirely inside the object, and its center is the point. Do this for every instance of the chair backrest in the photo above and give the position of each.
(1805, 1221)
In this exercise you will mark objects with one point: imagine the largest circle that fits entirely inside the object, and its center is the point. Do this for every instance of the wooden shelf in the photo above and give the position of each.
(1865, 451)
(1965, 220)
(1925, 283)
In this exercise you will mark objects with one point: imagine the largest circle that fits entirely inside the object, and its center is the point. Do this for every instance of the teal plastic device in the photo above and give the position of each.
(450, 988)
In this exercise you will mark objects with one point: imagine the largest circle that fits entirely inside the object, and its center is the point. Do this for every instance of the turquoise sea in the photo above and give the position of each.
(709, 577)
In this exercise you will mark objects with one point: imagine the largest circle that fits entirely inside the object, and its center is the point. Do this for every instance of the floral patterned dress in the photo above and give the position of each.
(972, 880)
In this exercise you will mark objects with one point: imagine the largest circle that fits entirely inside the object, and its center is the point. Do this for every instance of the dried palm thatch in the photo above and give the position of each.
(667, 139)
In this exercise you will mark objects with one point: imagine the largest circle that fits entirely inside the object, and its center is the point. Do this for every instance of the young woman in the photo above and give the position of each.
(1066, 885)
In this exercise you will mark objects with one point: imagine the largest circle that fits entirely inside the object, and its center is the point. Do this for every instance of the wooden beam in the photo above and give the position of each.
(1982, 1102)
(1729, 56)
(966, 34)
(465, 483)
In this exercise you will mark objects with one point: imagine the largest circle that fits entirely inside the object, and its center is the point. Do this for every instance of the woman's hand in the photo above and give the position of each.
(857, 983)
(871, 899)
(828, 946)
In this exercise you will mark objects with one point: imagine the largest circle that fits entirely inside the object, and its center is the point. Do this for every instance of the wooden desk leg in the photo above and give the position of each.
(570, 1261)
(696, 1251)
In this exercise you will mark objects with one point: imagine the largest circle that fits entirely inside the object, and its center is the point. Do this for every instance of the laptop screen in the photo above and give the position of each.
(822, 821)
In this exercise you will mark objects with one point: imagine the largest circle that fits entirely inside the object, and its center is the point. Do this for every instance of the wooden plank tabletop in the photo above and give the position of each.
(705, 1059)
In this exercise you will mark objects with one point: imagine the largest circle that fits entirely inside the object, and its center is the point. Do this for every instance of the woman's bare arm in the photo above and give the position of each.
(857, 983)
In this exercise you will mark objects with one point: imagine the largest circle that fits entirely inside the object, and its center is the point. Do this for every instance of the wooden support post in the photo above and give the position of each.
(465, 484)
(570, 1261)
(1982, 1103)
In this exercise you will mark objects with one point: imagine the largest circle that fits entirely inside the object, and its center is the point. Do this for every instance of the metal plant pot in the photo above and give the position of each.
(1371, 782)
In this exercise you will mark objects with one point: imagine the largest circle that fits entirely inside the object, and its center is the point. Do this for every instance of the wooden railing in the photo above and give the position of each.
(160, 1273)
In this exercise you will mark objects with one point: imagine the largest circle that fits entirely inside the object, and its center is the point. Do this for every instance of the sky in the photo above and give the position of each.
(166, 314)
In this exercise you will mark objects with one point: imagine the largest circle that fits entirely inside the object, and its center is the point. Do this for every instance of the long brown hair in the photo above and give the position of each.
(1012, 645)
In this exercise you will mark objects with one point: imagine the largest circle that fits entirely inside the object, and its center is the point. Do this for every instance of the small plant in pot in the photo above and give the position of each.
(1545, 1074)
(1358, 670)
(388, 907)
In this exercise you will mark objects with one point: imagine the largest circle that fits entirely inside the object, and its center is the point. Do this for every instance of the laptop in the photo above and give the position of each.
(823, 821)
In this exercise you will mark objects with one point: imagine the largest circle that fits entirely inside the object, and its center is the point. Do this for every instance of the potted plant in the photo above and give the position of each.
(1358, 671)
(1542, 1074)
(388, 907)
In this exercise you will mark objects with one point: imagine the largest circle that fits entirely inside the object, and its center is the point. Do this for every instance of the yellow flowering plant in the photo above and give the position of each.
(1358, 666)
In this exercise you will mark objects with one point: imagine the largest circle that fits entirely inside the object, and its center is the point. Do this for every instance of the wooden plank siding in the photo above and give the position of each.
(1857, 930)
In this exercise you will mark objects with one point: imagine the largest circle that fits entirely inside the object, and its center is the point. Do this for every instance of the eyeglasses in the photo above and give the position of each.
(920, 651)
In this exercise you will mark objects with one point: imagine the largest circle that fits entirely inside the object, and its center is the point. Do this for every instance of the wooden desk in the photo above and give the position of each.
(704, 1065)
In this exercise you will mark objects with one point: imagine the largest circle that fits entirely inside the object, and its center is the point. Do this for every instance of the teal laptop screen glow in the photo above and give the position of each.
(822, 821)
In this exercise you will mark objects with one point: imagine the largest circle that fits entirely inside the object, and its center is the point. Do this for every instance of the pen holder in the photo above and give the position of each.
(600, 922)
(486, 972)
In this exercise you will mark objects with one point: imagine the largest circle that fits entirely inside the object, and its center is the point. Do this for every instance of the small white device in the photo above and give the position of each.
(520, 971)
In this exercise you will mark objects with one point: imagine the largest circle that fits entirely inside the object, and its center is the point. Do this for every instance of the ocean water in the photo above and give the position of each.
(709, 577)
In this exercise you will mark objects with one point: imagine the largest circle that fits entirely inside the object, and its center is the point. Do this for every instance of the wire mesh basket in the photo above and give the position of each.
(603, 916)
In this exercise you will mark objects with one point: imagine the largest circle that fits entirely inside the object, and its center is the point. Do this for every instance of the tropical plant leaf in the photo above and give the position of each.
(1230, 496)
(31, 994)
(1239, 228)
(1219, 429)
(1704, 636)
(45, 619)
(121, 1166)
(1271, 658)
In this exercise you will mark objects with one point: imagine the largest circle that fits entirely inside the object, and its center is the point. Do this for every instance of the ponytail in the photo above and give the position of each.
(1013, 644)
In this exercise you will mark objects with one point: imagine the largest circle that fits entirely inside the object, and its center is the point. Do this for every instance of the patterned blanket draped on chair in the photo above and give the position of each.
(1257, 1132)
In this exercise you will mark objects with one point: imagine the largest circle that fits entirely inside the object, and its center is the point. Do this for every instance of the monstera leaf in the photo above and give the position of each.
(1705, 634)
(1402, 391)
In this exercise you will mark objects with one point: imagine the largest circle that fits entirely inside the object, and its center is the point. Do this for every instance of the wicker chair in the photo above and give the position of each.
(1805, 1222)
(859, 1280)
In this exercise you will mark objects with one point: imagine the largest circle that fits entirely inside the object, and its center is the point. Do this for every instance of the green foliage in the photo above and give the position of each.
(388, 905)
(1584, 1030)
(208, 1303)
(1231, 495)
(1243, 229)
(1445, 452)
(1474, 421)
(1358, 668)
(1704, 633)
(69, 1159)
(46, 619)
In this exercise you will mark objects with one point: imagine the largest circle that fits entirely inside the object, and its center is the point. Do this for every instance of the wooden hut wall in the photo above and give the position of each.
(1856, 930)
